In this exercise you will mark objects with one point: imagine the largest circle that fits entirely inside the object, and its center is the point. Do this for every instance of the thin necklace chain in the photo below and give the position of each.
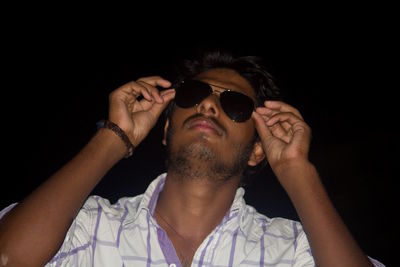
(173, 229)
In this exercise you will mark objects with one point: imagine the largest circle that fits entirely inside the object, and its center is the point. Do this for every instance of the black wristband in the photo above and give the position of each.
(118, 131)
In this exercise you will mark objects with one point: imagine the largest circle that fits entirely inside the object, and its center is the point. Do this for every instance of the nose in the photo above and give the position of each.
(210, 106)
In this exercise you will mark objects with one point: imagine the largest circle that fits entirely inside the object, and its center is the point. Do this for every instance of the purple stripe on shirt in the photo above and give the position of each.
(220, 234)
(63, 255)
(227, 217)
(167, 248)
(296, 233)
(262, 248)
(95, 231)
(233, 248)
(120, 226)
(203, 253)
(106, 243)
(148, 241)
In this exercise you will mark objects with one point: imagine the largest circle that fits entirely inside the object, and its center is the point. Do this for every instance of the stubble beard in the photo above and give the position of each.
(198, 160)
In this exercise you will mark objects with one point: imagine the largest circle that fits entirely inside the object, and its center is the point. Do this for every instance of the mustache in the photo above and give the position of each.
(199, 115)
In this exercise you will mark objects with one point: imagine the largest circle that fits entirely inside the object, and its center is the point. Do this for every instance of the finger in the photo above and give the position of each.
(153, 91)
(302, 136)
(156, 81)
(157, 108)
(285, 117)
(136, 89)
(267, 114)
(267, 137)
(266, 111)
(165, 95)
(168, 94)
(286, 125)
(282, 107)
(298, 128)
(280, 132)
(263, 131)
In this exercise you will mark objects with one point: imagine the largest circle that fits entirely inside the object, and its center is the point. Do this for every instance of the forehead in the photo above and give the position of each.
(227, 78)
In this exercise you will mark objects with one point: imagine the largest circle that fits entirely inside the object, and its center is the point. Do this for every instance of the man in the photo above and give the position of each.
(218, 126)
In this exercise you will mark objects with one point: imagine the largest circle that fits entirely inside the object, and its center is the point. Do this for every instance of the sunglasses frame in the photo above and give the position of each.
(226, 107)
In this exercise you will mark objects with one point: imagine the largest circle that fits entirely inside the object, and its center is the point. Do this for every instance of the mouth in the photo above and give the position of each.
(204, 124)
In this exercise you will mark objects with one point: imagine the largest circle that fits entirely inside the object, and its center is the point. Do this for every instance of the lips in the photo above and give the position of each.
(204, 124)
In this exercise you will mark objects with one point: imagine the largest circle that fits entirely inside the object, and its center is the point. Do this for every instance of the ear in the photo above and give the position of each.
(257, 155)
(164, 140)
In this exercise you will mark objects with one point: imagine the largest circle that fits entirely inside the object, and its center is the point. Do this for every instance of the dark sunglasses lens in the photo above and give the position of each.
(191, 92)
(237, 106)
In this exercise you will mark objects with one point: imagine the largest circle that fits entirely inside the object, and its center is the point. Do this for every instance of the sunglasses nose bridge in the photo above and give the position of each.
(217, 92)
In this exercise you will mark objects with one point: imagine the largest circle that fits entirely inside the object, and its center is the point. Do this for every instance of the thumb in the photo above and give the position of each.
(166, 96)
(262, 129)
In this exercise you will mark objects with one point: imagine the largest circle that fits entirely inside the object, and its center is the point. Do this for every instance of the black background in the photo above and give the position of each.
(57, 77)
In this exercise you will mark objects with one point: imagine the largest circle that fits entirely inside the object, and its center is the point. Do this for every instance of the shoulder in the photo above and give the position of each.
(259, 225)
(275, 239)
(282, 226)
(95, 206)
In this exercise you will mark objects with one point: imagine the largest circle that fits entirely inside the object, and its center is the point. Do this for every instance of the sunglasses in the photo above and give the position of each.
(237, 106)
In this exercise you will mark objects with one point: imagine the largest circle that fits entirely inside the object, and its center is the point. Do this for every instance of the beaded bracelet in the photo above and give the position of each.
(118, 131)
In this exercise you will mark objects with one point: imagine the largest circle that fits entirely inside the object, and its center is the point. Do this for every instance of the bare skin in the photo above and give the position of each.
(33, 231)
(192, 206)
(186, 202)
(285, 138)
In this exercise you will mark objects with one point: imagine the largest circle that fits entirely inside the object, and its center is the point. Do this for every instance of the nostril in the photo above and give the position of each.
(213, 111)
(208, 106)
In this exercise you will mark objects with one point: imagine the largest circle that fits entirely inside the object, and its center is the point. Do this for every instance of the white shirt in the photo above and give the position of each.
(127, 234)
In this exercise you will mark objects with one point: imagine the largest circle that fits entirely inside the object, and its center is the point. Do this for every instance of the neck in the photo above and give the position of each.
(194, 207)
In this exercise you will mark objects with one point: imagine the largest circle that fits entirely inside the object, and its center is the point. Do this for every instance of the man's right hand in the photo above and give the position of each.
(136, 106)
(33, 231)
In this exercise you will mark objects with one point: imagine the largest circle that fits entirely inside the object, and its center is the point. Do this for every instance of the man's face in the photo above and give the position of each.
(203, 141)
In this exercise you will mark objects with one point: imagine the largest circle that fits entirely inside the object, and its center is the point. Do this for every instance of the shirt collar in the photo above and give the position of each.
(150, 197)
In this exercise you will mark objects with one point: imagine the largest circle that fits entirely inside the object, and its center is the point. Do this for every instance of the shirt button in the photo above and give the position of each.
(172, 265)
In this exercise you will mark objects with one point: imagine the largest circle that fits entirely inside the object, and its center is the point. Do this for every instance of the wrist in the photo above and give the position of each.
(105, 146)
(296, 173)
(292, 166)
(108, 125)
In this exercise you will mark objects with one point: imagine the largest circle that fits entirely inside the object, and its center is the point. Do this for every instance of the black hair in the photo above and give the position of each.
(250, 67)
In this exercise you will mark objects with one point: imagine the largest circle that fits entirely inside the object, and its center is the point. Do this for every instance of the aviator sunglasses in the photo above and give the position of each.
(237, 106)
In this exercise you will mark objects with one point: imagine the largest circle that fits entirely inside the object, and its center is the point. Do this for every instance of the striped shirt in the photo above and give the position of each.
(127, 234)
